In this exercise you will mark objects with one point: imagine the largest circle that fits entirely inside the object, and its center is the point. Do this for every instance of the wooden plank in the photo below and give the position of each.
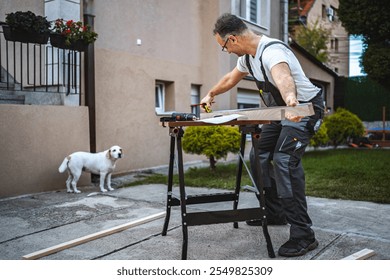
(78, 241)
(361, 255)
(268, 113)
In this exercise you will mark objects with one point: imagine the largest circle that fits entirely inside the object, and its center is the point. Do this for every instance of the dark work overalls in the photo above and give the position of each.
(281, 147)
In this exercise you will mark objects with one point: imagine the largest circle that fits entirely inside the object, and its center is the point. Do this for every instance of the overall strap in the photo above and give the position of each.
(261, 58)
(266, 86)
(248, 65)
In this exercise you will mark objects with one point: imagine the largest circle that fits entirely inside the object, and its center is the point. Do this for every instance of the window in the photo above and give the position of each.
(254, 11)
(160, 98)
(324, 12)
(164, 97)
(336, 45)
(330, 13)
(195, 99)
(248, 99)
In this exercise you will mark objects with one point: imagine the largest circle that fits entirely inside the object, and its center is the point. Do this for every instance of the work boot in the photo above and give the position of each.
(270, 221)
(297, 247)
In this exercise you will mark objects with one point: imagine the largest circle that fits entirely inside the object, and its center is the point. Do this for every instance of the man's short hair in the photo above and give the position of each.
(229, 24)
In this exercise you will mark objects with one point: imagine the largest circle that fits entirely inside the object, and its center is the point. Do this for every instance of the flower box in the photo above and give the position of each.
(26, 27)
(72, 35)
(24, 36)
(59, 41)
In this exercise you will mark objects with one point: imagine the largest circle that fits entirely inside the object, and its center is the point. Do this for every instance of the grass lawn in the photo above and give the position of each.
(352, 174)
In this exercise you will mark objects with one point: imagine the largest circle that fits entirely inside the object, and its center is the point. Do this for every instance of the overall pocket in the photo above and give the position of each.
(293, 146)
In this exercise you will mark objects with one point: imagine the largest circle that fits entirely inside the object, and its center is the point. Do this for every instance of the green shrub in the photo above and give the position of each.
(215, 142)
(321, 137)
(342, 126)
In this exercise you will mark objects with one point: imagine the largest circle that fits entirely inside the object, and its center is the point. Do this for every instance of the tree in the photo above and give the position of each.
(376, 62)
(314, 40)
(215, 142)
(371, 19)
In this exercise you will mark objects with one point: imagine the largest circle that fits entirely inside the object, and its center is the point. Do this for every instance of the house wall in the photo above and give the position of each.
(34, 141)
(9, 6)
(338, 58)
(177, 48)
(319, 76)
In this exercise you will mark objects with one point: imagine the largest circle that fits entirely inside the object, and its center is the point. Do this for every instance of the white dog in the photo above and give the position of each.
(102, 163)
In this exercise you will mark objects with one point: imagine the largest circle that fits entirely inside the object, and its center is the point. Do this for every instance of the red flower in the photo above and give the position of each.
(74, 30)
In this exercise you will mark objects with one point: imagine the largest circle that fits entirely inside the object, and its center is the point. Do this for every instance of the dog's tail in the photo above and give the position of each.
(64, 165)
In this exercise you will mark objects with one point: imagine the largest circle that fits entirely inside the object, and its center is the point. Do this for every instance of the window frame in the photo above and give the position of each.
(195, 99)
(248, 99)
(263, 17)
(159, 105)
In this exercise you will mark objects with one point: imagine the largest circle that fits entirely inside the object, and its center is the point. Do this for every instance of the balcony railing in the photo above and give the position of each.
(27, 67)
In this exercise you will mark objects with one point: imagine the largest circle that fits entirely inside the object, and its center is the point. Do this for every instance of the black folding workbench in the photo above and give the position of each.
(235, 215)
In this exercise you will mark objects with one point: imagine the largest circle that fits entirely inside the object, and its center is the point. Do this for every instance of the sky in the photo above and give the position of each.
(355, 51)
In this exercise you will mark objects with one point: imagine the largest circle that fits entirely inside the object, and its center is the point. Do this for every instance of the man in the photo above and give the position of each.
(282, 143)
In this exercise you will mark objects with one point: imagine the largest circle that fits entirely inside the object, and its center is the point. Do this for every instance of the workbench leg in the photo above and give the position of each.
(170, 184)
(255, 143)
(182, 194)
(239, 174)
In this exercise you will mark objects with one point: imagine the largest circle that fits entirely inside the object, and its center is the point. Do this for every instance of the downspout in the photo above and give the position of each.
(284, 4)
(89, 76)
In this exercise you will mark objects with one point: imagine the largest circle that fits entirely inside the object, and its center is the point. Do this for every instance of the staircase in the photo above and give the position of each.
(34, 74)
(9, 95)
(40, 95)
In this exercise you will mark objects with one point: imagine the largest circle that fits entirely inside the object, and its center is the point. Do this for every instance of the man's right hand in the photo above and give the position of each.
(208, 100)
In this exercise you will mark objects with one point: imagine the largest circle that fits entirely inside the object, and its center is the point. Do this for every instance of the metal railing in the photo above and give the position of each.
(36, 67)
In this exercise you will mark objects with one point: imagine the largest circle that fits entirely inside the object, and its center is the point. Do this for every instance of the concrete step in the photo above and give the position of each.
(11, 99)
(3, 85)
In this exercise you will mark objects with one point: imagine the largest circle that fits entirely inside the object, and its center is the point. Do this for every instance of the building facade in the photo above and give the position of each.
(151, 57)
(324, 12)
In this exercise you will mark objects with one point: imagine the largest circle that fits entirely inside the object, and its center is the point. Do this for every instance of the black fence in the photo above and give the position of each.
(39, 67)
(363, 97)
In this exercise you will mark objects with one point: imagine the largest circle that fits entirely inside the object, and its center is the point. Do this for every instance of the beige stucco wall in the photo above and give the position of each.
(34, 141)
(177, 47)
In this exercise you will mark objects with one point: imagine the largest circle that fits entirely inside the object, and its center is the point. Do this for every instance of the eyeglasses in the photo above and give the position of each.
(224, 49)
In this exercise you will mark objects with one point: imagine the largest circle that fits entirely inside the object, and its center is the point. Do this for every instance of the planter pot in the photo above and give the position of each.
(23, 36)
(58, 41)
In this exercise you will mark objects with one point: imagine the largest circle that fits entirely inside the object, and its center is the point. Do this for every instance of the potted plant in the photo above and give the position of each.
(73, 35)
(26, 27)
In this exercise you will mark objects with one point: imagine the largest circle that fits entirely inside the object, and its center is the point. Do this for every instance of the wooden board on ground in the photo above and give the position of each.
(361, 255)
(269, 113)
(78, 241)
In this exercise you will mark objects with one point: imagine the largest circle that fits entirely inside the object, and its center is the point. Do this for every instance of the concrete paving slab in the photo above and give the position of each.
(35, 222)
